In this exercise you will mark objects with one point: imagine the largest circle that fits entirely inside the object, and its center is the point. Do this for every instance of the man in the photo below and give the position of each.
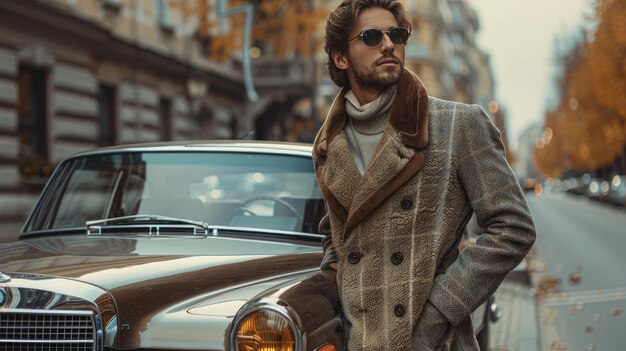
(401, 174)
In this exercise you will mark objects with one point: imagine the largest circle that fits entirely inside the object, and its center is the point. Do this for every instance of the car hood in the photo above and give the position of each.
(146, 275)
(113, 262)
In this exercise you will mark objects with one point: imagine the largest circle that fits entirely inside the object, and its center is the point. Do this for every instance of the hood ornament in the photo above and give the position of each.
(4, 278)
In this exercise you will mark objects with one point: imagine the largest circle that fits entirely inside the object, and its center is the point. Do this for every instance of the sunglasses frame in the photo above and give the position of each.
(383, 32)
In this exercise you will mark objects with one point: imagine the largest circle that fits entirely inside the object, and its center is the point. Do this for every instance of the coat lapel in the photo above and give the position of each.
(337, 175)
(392, 166)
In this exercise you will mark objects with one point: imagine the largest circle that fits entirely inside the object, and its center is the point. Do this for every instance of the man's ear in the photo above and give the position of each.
(340, 60)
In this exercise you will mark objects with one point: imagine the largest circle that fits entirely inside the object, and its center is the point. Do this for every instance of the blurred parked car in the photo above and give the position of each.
(582, 184)
(551, 185)
(530, 184)
(198, 246)
(618, 190)
(598, 189)
(574, 186)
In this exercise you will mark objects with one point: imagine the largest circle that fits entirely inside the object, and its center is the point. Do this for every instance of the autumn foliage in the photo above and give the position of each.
(280, 28)
(587, 130)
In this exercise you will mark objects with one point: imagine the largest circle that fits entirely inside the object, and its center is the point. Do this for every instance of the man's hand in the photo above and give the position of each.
(430, 330)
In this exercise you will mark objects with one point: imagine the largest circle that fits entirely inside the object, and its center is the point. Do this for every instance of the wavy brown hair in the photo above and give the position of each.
(339, 25)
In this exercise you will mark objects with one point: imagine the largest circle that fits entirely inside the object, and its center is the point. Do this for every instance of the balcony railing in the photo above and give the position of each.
(275, 73)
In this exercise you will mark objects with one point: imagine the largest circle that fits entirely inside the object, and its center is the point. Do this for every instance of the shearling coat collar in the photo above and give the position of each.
(404, 138)
(408, 115)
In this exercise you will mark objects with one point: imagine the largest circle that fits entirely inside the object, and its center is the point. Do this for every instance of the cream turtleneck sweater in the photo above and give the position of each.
(366, 125)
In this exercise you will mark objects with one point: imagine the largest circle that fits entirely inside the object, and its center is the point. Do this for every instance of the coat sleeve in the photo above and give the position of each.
(501, 210)
(327, 243)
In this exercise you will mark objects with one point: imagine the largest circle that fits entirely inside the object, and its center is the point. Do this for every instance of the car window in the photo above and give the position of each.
(227, 189)
(86, 196)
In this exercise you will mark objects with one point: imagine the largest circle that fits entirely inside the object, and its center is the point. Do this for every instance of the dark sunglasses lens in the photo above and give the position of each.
(399, 35)
(372, 37)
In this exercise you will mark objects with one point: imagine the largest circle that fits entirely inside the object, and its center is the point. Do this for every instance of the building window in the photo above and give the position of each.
(457, 39)
(33, 123)
(107, 118)
(111, 7)
(457, 13)
(458, 65)
(165, 114)
(164, 15)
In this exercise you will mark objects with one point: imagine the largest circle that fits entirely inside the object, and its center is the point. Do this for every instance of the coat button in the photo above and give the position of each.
(397, 258)
(399, 310)
(406, 203)
(354, 257)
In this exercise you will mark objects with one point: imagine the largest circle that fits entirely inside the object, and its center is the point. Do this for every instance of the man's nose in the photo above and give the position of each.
(387, 44)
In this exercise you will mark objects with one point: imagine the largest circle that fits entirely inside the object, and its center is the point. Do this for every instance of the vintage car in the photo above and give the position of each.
(195, 246)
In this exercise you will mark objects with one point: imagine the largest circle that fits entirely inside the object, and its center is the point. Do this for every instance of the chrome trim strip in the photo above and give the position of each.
(56, 312)
(256, 149)
(98, 332)
(153, 229)
(267, 231)
(275, 305)
(110, 334)
(148, 217)
(15, 341)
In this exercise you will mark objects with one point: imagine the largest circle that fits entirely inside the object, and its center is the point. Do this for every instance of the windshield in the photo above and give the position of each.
(249, 190)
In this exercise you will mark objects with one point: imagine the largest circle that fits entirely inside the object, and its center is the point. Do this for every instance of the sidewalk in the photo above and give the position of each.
(517, 330)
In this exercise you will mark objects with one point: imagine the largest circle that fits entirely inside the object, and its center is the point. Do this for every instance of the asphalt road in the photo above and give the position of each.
(579, 273)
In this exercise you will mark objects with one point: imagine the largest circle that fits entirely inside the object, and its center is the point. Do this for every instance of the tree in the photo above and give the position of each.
(589, 123)
(280, 28)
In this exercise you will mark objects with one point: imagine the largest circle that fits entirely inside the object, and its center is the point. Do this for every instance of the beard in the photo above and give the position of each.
(368, 78)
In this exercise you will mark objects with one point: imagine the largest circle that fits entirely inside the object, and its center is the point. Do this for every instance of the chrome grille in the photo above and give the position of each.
(22, 330)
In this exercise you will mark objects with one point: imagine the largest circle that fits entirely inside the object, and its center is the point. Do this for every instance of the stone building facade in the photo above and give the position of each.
(79, 74)
(445, 54)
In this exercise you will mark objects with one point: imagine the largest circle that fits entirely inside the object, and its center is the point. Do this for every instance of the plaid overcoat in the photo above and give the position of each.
(395, 230)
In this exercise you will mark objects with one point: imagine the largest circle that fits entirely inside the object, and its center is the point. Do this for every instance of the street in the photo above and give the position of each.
(578, 273)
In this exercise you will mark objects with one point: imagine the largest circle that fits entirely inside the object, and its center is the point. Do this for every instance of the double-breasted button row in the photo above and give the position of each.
(399, 310)
(354, 257)
(406, 203)
(396, 258)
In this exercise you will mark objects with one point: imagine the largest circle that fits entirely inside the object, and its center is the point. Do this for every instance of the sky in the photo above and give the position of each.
(520, 37)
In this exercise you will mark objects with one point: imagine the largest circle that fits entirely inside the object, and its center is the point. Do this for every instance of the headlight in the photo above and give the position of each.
(266, 327)
(265, 330)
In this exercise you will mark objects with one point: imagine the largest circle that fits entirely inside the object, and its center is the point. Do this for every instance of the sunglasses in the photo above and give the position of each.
(373, 37)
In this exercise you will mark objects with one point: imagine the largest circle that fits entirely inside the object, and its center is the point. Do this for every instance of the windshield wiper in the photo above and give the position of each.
(154, 223)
